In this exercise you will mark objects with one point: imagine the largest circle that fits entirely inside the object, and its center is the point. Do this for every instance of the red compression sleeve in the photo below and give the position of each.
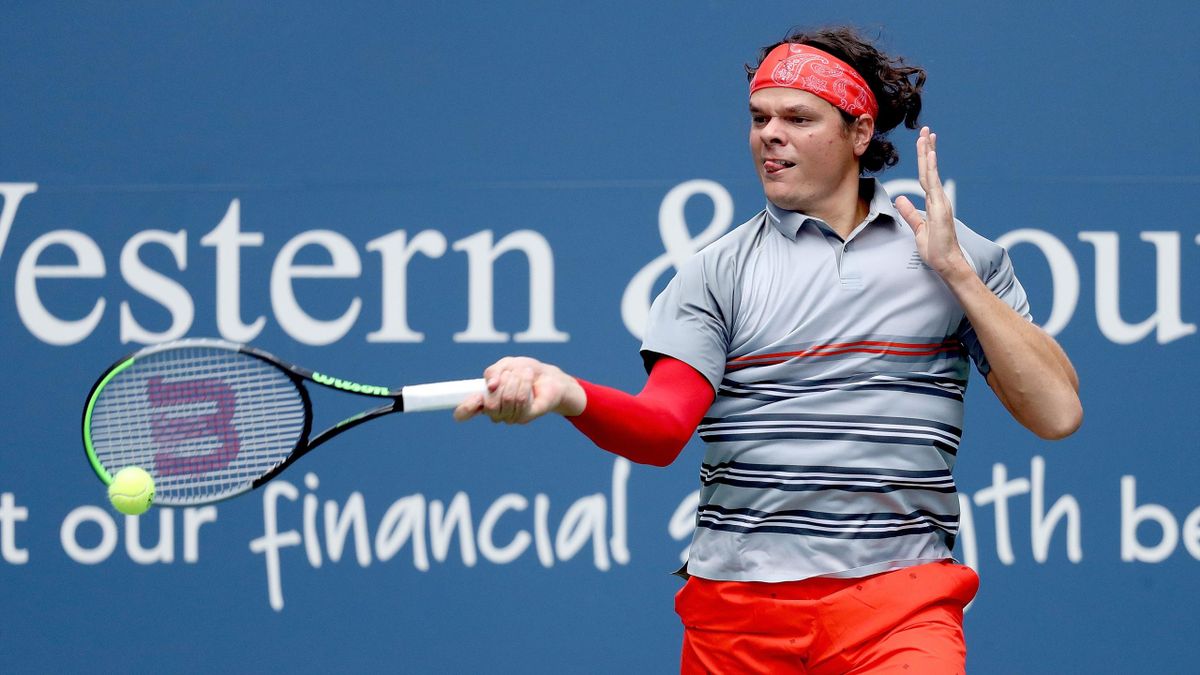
(652, 427)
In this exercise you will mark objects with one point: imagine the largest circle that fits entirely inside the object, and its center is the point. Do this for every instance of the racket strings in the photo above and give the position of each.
(206, 422)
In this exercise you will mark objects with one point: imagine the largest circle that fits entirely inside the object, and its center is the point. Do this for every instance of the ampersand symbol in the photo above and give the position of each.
(679, 244)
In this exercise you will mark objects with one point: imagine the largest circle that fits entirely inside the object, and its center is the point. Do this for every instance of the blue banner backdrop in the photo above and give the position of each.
(400, 192)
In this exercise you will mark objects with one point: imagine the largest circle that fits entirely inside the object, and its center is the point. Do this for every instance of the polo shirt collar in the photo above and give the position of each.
(880, 208)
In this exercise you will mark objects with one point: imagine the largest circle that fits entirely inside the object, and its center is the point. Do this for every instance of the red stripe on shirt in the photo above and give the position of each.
(897, 349)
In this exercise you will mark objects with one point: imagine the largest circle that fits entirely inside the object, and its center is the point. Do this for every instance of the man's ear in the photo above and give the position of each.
(863, 130)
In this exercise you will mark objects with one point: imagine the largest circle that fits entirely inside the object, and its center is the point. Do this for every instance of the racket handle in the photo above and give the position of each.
(439, 395)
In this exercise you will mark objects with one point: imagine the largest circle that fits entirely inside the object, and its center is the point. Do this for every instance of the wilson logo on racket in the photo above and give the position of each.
(345, 385)
(171, 431)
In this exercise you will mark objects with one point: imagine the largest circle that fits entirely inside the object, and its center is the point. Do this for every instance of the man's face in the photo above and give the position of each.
(802, 150)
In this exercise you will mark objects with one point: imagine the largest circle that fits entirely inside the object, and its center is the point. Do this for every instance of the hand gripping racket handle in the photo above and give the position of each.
(439, 395)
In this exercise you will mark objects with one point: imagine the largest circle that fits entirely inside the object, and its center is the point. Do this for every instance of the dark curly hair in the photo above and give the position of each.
(896, 85)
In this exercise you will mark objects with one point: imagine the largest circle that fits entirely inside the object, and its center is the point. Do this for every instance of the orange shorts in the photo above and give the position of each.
(905, 621)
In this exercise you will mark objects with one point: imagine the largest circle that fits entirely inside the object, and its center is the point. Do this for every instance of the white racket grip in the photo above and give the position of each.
(440, 395)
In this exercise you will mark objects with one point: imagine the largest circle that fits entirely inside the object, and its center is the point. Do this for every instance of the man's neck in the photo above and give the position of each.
(843, 209)
(846, 217)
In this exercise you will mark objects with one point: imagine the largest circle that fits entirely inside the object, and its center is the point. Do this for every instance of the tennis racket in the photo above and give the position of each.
(210, 420)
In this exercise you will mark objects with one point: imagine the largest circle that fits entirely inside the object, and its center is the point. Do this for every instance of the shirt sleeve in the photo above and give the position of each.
(689, 320)
(995, 269)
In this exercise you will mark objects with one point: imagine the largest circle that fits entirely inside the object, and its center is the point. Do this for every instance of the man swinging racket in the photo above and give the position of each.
(820, 349)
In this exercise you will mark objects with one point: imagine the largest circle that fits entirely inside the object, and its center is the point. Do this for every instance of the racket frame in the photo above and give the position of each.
(298, 375)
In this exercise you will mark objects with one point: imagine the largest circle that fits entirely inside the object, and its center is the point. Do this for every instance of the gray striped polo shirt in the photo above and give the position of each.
(839, 369)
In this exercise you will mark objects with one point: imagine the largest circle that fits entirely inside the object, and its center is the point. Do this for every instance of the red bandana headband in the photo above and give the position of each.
(809, 69)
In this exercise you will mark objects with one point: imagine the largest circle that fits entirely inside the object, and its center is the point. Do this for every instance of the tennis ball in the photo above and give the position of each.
(131, 491)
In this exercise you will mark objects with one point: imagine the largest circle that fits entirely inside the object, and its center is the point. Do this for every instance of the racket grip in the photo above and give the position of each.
(439, 395)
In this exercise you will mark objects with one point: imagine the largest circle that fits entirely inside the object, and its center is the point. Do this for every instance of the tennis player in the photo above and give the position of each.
(821, 349)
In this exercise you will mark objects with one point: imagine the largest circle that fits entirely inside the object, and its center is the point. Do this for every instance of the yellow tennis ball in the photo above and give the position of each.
(131, 491)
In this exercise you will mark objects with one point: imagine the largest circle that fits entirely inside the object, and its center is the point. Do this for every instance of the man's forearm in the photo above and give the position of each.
(1030, 373)
(653, 426)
